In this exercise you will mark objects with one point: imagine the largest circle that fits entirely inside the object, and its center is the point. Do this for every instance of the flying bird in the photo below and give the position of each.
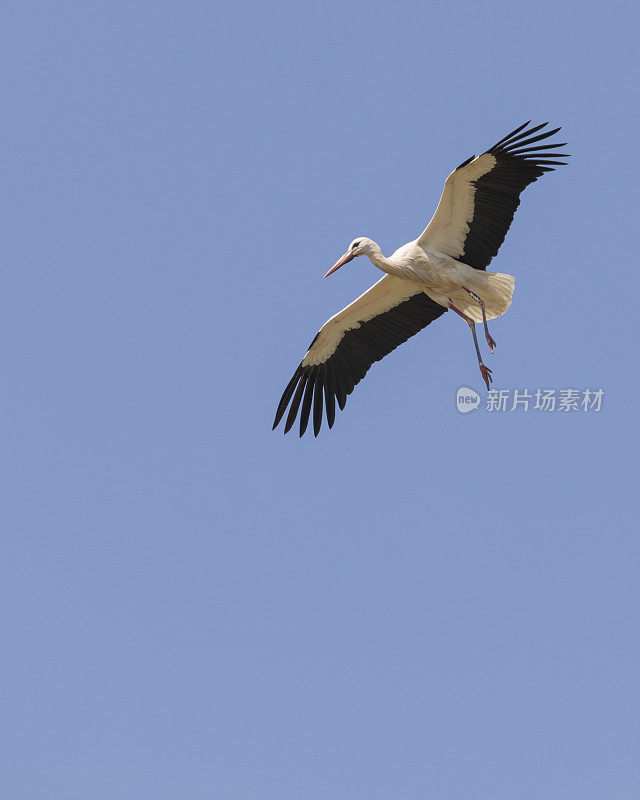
(444, 268)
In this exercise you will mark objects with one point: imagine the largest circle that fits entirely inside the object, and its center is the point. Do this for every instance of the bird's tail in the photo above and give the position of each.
(495, 288)
(498, 298)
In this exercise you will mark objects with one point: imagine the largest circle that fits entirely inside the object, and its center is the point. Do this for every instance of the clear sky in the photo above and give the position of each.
(417, 604)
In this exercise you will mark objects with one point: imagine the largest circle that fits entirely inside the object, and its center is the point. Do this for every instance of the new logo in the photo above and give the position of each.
(467, 400)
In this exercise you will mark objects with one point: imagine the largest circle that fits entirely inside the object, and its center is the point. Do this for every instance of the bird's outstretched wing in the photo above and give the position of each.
(382, 318)
(481, 196)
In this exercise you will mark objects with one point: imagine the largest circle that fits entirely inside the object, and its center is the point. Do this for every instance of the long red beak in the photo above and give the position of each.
(345, 259)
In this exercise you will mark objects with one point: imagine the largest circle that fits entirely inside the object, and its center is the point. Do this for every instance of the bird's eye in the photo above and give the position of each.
(354, 245)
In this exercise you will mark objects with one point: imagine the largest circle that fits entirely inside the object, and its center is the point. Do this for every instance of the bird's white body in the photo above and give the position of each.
(446, 279)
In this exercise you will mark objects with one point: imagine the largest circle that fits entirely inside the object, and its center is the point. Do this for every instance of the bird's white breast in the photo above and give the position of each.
(424, 266)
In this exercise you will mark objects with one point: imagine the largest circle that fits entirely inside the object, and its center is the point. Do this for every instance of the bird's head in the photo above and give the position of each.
(361, 246)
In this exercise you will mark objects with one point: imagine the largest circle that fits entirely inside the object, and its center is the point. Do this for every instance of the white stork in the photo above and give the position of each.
(444, 268)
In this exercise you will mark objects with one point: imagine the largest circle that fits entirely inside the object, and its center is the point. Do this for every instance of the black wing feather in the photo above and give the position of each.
(321, 375)
(306, 403)
(295, 403)
(330, 396)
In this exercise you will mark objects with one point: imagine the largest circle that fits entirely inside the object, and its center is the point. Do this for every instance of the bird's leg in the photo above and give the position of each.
(486, 372)
(490, 340)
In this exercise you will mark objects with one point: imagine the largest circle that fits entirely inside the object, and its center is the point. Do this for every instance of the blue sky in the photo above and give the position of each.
(418, 603)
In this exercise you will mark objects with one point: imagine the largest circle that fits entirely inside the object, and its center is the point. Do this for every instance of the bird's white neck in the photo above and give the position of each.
(383, 263)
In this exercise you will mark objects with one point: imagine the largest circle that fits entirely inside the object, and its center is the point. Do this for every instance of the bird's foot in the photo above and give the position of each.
(486, 374)
(490, 341)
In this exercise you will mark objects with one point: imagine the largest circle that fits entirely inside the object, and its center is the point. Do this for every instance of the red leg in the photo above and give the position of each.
(489, 337)
(485, 371)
